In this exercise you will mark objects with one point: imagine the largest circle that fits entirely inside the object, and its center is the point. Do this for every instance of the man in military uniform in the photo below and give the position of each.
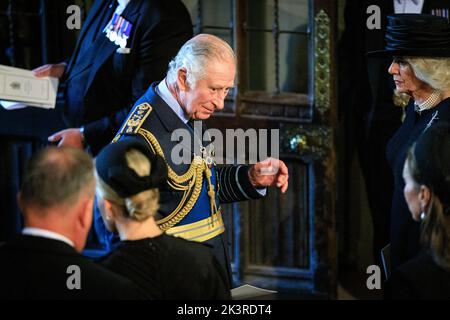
(196, 84)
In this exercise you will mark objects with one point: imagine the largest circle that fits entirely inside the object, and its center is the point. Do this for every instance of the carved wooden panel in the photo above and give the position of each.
(277, 232)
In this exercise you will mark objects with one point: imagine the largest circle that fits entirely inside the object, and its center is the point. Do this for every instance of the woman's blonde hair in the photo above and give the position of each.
(140, 206)
(434, 71)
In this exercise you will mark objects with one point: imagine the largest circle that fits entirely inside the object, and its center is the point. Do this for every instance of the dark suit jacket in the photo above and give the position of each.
(102, 84)
(36, 268)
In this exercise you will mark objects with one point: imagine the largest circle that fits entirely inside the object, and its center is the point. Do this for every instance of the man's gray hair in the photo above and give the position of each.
(194, 56)
(57, 176)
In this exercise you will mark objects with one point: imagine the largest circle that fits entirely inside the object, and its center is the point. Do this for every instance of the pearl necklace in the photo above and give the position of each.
(432, 100)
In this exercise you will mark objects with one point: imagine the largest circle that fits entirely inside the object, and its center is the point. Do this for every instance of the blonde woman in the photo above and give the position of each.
(162, 266)
(420, 47)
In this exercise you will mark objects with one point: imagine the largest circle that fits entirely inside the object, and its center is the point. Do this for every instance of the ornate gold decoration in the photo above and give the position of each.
(298, 142)
(151, 139)
(190, 183)
(191, 180)
(201, 230)
(308, 142)
(135, 120)
(322, 86)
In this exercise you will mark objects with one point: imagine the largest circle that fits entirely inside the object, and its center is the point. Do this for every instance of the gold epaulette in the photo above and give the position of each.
(135, 120)
(200, 231)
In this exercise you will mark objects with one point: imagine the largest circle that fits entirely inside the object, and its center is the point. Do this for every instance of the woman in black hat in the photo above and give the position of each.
(420, 47)
(427, 192)
(162, 266)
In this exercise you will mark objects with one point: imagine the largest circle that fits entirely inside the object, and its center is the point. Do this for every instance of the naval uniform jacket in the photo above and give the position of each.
(185, 206)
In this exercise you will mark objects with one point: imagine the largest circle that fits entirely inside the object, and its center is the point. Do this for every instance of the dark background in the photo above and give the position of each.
(32, 33)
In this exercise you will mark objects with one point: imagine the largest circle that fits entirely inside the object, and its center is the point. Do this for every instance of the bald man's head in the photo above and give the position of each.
(57, 176)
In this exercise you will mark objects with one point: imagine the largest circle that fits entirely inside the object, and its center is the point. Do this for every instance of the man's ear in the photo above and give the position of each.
(182, 79)
(87, 210)
(83, 215)
(109, 210)
(424, 197)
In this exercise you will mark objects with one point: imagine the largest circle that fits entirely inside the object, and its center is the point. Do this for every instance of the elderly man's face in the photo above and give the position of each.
(404, 77)
(209, 93)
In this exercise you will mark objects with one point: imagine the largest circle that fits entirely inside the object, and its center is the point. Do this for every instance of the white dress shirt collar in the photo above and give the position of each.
(122, 5)
(38, 232)
(163, 91)
(408, 6)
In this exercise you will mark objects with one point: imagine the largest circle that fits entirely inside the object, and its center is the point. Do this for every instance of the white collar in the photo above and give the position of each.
(408, 6)
(163, 91)
(122, 5)
(38, 232)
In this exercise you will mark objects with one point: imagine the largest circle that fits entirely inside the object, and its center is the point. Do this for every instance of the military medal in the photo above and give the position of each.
(440, 13)
(110, 26)
(118, 30)
(207, 153)
(206, 156)
(125, 33)
(114, 32)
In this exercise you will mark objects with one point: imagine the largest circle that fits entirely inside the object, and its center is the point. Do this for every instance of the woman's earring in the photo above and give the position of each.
(423, 215)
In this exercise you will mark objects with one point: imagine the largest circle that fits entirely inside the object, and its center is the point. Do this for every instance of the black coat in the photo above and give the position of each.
(366, 106)
(405, 232)
(420, 278)
(168, 268)
(36, 268)
(101, 84)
